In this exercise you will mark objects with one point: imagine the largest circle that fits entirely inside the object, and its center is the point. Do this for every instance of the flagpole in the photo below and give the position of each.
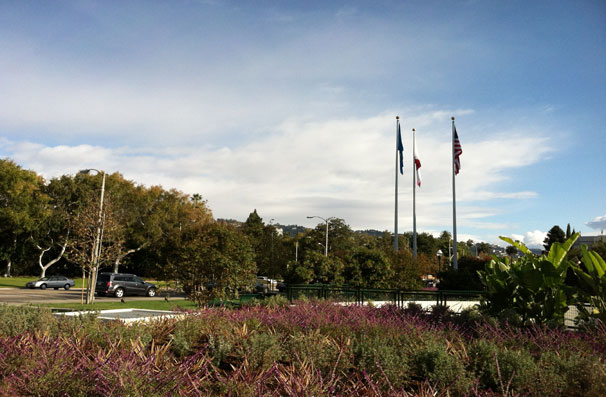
(414, 190)
(455, 264)
(395, 233)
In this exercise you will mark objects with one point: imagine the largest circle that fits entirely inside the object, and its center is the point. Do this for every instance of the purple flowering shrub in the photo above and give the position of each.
(312, 348)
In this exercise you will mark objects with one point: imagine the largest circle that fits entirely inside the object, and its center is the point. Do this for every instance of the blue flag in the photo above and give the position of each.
(400, 149)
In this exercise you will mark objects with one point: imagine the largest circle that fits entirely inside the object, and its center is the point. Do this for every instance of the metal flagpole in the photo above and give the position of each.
(395, 233)
(455, 265)
(414, 191)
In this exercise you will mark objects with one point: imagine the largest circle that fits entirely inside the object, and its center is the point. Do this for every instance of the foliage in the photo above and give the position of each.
(466, 278)
(23, 206)
(538, 290)
(368, 268)
(407, 272)
(314, 348)
(212, 261)
(533, 287)
(318, 268)
(592, 281)
(554, 235)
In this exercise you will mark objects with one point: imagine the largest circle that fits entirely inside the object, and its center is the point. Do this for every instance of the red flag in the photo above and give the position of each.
(417, 165)
(457, 151)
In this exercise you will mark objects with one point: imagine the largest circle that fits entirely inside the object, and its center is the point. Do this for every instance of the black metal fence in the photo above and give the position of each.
(399, 297)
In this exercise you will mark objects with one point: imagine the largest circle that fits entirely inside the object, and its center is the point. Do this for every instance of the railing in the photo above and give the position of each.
(357, 295)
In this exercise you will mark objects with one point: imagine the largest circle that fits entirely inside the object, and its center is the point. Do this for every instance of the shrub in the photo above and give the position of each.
(466, 277)
(571, 374)
(276, 301)
(533, 287)
(265, 349)
(19, 319)
(380, 357)
(324, 353)
(433, 363)
(313, 348)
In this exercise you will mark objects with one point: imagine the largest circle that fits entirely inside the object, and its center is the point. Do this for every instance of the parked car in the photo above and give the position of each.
(120, 284)
(269, 283)
(55, 282)
(260, 287)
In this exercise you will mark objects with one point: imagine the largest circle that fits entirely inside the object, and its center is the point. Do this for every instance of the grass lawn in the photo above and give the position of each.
(151, 305)
(19, 282)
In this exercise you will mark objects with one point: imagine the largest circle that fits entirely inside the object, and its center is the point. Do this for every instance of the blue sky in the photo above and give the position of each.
(289, 107)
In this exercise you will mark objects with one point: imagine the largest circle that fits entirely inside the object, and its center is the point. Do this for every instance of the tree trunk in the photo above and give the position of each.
(53, 261)
(122, 256)
(8, 269)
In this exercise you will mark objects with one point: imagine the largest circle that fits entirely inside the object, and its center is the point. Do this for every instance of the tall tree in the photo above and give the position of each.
(555, 234)
(568, 232)
(86, 225)
(23, 205)
(369, 268)
(212, 254)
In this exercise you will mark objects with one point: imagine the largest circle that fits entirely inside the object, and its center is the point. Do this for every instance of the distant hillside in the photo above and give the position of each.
(371, 232)
(292, 230)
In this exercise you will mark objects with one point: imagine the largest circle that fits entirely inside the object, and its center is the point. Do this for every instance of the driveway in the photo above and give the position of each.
(21, 296)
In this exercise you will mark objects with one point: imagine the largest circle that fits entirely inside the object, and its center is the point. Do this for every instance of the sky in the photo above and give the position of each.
(289, 107)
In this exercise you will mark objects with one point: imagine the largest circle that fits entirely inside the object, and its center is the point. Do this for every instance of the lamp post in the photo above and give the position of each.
(326, 221)
(439, 254)
(272, 229)
(92, 281)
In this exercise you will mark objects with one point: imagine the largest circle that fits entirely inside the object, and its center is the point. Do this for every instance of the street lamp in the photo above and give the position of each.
(272, 229)
(326, 221)
(439, 254)
(97, 245)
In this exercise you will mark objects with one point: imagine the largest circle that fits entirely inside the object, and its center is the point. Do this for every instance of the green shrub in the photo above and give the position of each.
(519, 368)
(20, 319)
(466, 277)
(482, 355)
(276, 301)
(265, 349)
(324, 353)
(381, 357)
(571, 374)
(534, 287)
(432, 362)
(192, 334)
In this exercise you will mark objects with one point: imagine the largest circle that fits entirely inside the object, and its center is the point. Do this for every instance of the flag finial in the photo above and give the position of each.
(413, 130)
(452, 118)
(397, 117)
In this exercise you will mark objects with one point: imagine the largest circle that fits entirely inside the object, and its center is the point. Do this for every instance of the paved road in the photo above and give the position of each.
(19, 296)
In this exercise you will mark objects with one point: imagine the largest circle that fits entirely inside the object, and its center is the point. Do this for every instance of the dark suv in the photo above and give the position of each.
(120, 284)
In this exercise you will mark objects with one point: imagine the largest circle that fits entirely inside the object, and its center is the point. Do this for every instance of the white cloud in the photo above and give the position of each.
(532, 239)
(337, 167)
(597, 223)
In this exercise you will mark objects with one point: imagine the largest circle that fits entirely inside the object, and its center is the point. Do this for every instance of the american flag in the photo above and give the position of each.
(457, 151)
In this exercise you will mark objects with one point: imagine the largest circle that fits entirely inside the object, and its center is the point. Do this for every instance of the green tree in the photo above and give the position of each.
(406, 271)
(341, 238)
(213, 254)
(484, 248)
(511, 250)
(23, 206)
(253, 227)
(368, 267)
(318, 268)
(554, 235)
